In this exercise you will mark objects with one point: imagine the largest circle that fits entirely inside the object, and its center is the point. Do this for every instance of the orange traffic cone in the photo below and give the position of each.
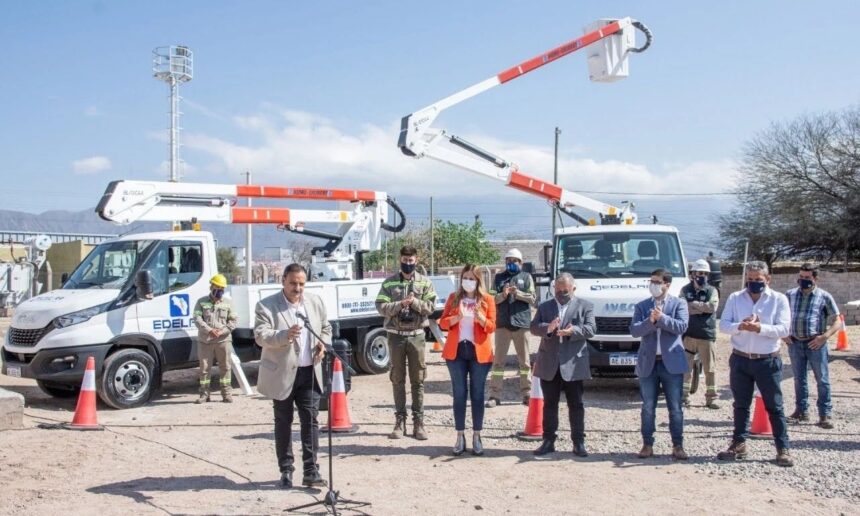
(337, 406)
(85, 413)
(437, 347)
(761, 422)
(534, 419)
(842, 338)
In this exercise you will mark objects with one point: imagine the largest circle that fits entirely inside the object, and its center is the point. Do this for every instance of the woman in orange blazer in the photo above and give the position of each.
(470, 320)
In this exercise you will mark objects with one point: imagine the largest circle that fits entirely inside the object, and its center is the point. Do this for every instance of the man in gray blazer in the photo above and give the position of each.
(290, 370)
(563, 324)
(660, 321)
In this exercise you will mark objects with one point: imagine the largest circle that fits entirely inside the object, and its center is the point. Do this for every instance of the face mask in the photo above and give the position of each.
(563, 297)
(469, 285)
(756, 287)
(513, 267)
(407, 268)
(701, 281)
(217, 293)
(805, 284)
(655, 290)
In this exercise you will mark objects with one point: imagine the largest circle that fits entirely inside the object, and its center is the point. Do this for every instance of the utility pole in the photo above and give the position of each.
(249, 276)
(555, 180)
(432, 247)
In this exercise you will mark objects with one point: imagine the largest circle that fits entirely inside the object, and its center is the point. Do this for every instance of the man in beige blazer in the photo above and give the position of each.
(290, 370)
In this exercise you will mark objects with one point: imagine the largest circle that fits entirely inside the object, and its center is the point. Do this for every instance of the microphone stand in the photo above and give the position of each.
(332, 498)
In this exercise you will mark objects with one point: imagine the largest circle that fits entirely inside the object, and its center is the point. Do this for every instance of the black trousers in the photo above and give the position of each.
(576, 411)
(306, 398)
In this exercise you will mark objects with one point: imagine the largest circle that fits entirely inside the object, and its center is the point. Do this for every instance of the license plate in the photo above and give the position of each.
(13, 371)
(622, 360)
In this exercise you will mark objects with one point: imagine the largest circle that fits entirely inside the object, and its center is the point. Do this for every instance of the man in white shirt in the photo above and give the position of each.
(757, 318)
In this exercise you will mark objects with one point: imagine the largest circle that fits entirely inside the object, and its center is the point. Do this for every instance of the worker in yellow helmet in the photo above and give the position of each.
(215, 319)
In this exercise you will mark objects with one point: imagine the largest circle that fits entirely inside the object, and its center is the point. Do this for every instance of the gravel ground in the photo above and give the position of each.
(827, 462)
(175, 457)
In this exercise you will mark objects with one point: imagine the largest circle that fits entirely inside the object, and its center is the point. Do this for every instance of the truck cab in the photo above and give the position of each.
(612, 266)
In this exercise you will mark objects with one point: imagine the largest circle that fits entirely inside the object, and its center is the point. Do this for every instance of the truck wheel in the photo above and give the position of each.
(58, 390)
(697, 371)
(372, 355)
(128, 379)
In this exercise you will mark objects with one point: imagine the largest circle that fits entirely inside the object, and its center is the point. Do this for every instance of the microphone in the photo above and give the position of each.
(303, 317)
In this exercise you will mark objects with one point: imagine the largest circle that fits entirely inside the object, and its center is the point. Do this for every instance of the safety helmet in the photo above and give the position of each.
(514, 253)
(700, 266)
(219, 281)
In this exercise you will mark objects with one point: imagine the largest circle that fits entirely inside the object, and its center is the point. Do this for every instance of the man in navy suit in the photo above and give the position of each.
(660, 321)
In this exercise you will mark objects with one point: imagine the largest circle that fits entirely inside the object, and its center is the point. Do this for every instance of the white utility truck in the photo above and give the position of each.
(102, 309)
(612, 261)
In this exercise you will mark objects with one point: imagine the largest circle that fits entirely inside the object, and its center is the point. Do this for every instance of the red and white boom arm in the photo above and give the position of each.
(607, 63)
(125, 202)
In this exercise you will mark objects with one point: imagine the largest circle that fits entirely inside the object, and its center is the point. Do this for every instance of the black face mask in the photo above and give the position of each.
(407, 268)
(805, 284)
(756, 287)
(217, 293)
(563, 297)
(701, 281)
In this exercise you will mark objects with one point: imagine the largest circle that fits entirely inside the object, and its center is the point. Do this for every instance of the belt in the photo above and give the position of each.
(406, 333)
(755, 356)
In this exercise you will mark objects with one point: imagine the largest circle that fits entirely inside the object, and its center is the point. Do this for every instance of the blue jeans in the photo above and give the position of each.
(744, 375)
(468, 377)
(672, 387)
(816, 359)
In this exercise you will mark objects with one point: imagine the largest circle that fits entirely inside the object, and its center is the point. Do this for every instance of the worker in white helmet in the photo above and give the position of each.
(514, 295)
(702, 301)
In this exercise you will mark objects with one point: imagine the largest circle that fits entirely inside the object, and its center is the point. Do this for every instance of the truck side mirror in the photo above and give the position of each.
(529, 267)
(64, 277)
(143, 282)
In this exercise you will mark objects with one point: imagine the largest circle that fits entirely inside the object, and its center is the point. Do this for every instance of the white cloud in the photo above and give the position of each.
(92, 111)
(91, 165)
(299, 148)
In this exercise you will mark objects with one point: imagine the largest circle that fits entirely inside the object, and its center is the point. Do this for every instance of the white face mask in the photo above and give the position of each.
(656, 290)
(469, 285)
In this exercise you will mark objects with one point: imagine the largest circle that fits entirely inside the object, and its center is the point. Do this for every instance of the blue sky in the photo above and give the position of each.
(311, 93)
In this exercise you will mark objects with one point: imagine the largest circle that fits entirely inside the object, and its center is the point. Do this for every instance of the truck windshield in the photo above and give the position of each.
(109, 265)
(619, 255)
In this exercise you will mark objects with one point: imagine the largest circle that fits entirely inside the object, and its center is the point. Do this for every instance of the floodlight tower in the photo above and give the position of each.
(173, 65)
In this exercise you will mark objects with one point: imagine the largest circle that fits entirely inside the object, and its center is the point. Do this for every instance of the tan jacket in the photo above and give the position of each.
(280, 360)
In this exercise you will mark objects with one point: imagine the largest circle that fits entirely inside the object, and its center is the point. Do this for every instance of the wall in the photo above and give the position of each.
(843, 286)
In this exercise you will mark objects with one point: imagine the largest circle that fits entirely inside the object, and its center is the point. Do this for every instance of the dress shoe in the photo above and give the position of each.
(737, 450)
(783, 459)
(799, 417)
(313, 479)
(287, 480)
(678, 453)
(477, 446)
(826, 423)
(711, 404)
(547, 446)
(646, 452)
(579, 450)
(460, 445)
(493, 402)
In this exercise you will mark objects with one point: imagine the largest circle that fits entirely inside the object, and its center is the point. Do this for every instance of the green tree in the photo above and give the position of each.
(227, 262)
(458, 243)
(799, 190)
(455, 243)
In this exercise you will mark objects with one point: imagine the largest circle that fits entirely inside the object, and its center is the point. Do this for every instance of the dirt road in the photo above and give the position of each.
(175, 457)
